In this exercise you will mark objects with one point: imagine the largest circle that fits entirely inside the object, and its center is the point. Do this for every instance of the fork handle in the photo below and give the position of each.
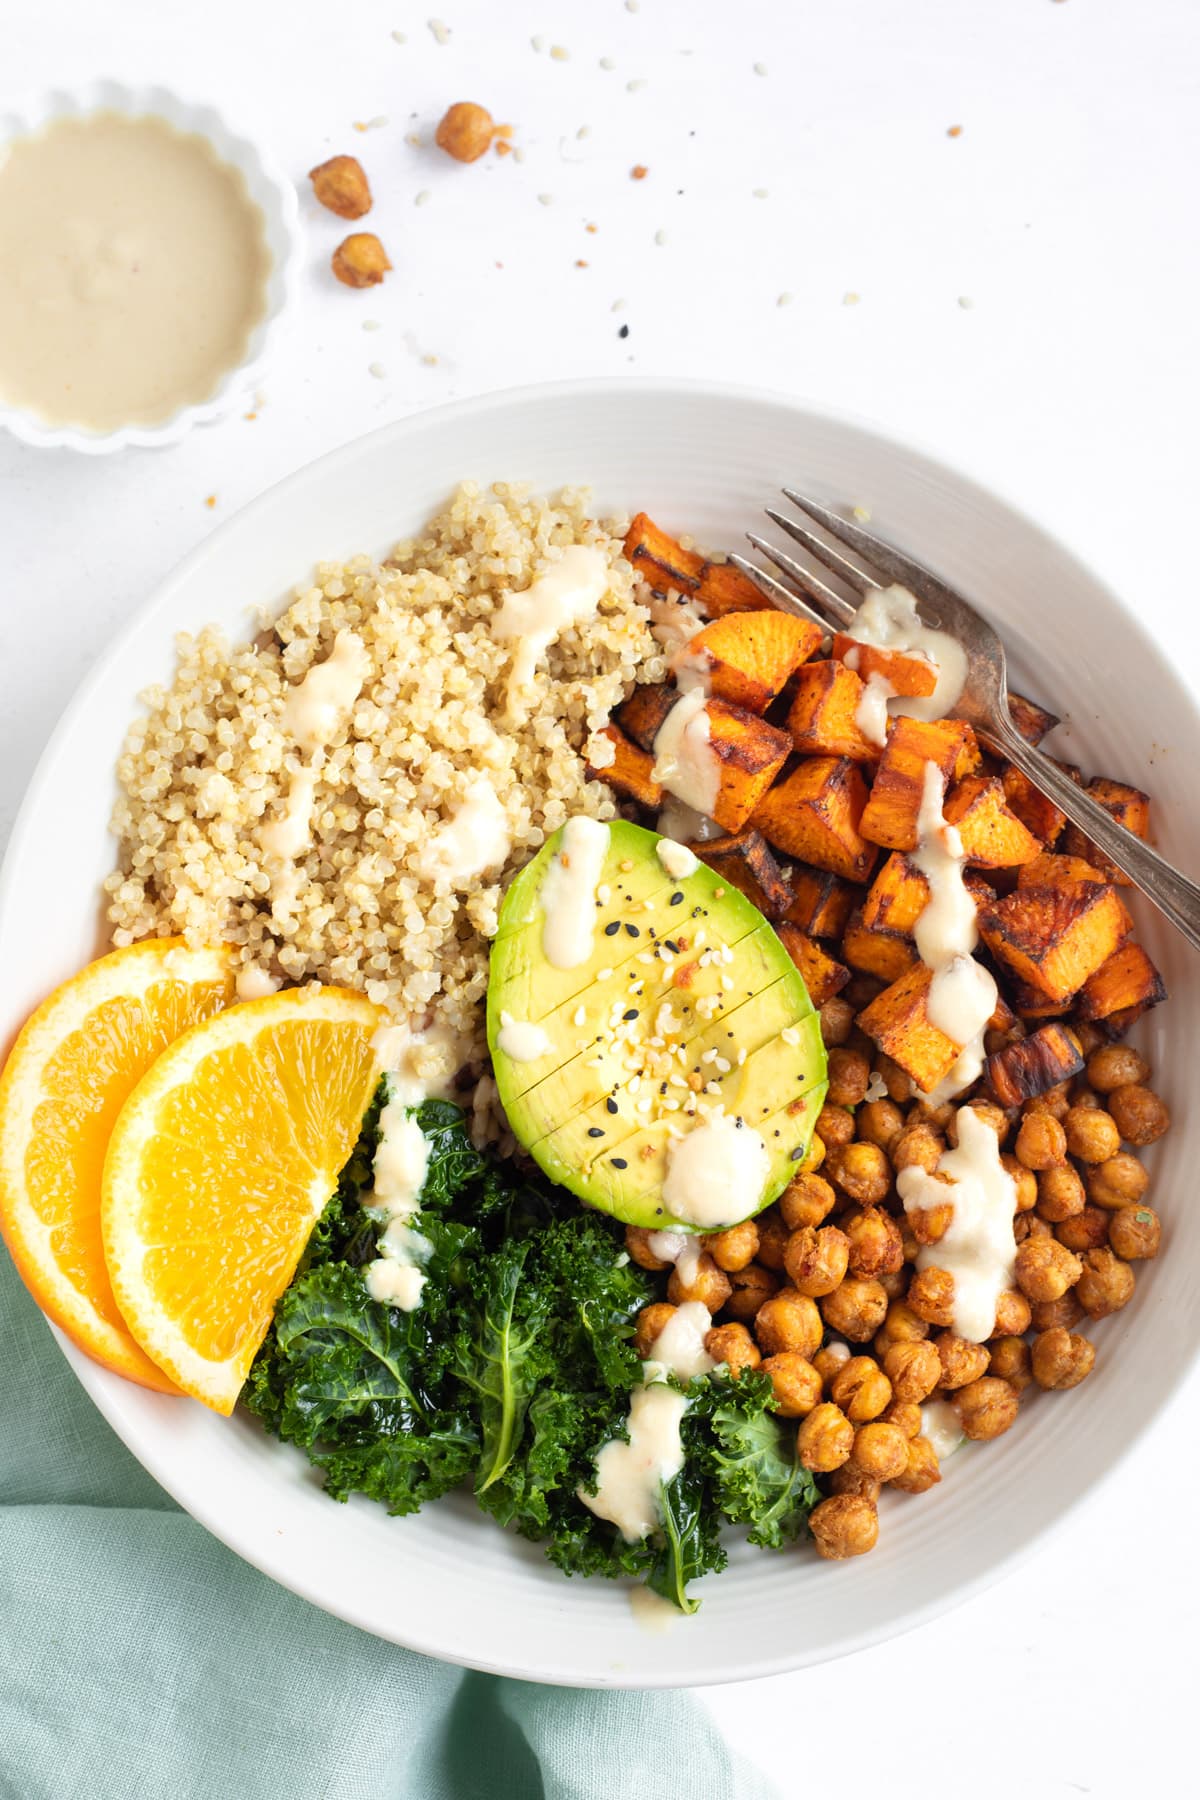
(1174, 895)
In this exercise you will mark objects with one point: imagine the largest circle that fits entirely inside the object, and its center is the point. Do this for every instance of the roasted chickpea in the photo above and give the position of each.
(1060, 1194)
(992, 1115)
(894, 1283)
(961, 1360)
(929, 1224)
(1117, 1182)
(651, 1321)
(880, 1450)
(834, 1126)
(1083, 1095)
(360, 260)
(914, 1369)
(924, 1112)
(1012, 1314)
(465, 131)
(1054, 1101)
(1024, 1180)
(987, 1407)
(1088, 1230)
(861, 1171)
(856, 1309)
(902, 1325)
(637, 1242)
(1134, 1232)
(1041, 1141)
(880, 1122)
(825, 1439)
(1008, 1358)
(795, 1384)
(1114, 1066)
(1026, 1225)
(773, 1235)
(341, 185)
(1045, 1268)
(897, 1082)
(874, 1242)
(912, 1248)
(1088, 1036)
(904, 1413)
(861, 1389)
(735, 1248)
(921, 1470)
(733, 1346)
(789, 1321)
(1044, 1315)
(830, 1358)
(1061, 1358)
(707, 1284)
(807, 1200)
(844, 1525)
(850, 1479)
(816, 1260)
(931, 1296)
(1140, 1116)
(918, 1147)
(1091, 1134)
(837, 1021)
(1106, 1284)
(849, 1076)
(750, 1288)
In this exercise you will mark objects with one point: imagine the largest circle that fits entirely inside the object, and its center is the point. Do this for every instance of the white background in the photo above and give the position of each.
(1064, 215)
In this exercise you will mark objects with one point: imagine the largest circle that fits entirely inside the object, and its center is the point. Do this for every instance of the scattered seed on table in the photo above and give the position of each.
(638, 172)
(966, 302)
(954, 131)
(371, 324)
(423, 198)
(441, 32)
(760, 193)
(635, 87)
(584, 131)
(660, 237)
(377, 370)
(624, 332)
(606, 62)
(784, 300)
(400, 37)
(618, 306)
(545, 199)
(851, 299)
(559, 54)
(538, 43)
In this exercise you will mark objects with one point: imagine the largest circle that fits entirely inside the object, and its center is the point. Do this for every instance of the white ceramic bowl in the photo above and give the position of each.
(703, 459)
(268, 188)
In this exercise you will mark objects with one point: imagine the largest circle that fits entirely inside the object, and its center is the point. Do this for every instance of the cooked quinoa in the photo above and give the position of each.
(210, 763)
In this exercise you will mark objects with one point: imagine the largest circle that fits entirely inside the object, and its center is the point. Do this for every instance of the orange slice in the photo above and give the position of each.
(218, 1168)
(71, 1070)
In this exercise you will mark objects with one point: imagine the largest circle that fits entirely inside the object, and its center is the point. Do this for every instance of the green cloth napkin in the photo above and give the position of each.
(141, 1660)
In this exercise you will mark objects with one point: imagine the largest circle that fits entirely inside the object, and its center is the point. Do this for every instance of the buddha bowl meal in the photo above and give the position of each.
(577, 1033)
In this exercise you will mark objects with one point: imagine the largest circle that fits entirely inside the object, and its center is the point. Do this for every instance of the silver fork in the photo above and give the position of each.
(984, 700)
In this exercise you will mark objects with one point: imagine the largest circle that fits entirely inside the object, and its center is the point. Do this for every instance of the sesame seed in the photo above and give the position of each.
(558, 54)
(612, 928)
(580, 1015)
(603, 974)
(423, 198)
(377, 370)
(400, 37)
(760, 193)
(606, 62)
(634, 87)
(660, 237)
(619, 306)
(611, 1104)
(797, 1153)
(538, 43)
(966, 302)
(631, 1014)
(441, 33)
(784, 300)
(595, 1131)
(545, 199)
(851, 299)
(371, 324)
(760, 68)
(633, 930)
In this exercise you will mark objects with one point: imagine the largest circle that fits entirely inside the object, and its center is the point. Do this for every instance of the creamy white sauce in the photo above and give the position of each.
(474, 839)
(568, 893)
(962, 995)
(522, 1041)
(255, 984)
(941, 1425)
(678, 861)
(683, 1248)
(978, 1248)
(564, 594)
(675, 820)
(396, 1277)
(888, 619)
(679, 1347)
(421, 1065)
(394, 1284)
(651, 1612)
(315, 710)
(871, 713)
(716, 1173)
(684, 761)
(290, 834)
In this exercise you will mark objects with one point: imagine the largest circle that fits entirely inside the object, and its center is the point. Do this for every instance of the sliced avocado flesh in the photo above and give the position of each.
(733, 993)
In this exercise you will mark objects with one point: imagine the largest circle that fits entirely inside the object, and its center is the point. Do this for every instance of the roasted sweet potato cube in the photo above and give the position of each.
(992, 835)
(821, 902)
(1032, 721)
(898, 1022)
(642, 716)
(1129, 806)
(724, 589)
(908, 671)
(750, 753)
(823, 717)
(749, 657)
(1053, 870)
(746, 862)
(897, 896)
(823, 977)
(876, 950)
(629, 770)
(1035, 810)
(1037, 1063)
(891, 813)
(1031, 1004)
(1003, 1017)
(1127, 979)
(1055, 938)
(659, 559)
(814, 814)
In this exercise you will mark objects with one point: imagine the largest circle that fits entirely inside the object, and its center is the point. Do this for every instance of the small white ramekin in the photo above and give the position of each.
(267, 187)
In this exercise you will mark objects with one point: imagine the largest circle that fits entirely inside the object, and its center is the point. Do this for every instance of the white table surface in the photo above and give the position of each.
(1027, 303)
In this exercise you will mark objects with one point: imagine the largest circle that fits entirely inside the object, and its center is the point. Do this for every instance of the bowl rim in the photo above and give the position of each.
(274, 194)
(96, 1380)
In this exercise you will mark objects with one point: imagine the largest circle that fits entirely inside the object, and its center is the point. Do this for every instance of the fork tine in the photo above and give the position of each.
(777, 594)
(833, 609)
(834, 561)
(872, 549)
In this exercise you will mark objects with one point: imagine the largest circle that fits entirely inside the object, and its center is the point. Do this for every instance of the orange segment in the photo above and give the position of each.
(218, 1168)
(75, 1063)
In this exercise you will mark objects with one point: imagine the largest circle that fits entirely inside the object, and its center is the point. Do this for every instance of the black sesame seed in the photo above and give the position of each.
(797, 1153)
(611, 1105)
(631, 1014)
(618, 1162)
(633, 931)
(595, 1131)
(672, 946)
(611, 929)
(676, 899)
(624, 332)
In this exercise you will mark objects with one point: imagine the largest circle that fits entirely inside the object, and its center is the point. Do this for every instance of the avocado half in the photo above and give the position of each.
(598, 1106)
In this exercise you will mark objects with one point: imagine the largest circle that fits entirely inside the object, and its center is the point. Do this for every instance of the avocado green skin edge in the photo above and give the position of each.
(519, 911)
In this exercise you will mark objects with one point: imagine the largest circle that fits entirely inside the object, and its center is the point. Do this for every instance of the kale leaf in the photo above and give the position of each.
(750, 1457)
